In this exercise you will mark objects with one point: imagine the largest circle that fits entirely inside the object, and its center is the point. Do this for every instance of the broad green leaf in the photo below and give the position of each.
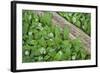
(57, 32)
(83, 53)
(42, 50)
(47, 57)
(42, 42)
(66, 33)
(77, 45)
(26, 47)
(46, 18)
(51, 51)
(67, 44)
(40, 58)
(67, 53)
(78, 23)
(35, 51)
(74, 19)
(58, 56)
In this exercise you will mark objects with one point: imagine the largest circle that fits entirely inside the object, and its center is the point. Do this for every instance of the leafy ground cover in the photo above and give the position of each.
(43, 41)
(81, 20)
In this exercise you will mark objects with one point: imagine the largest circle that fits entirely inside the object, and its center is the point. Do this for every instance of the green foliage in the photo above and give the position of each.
(46, 18)
(66, 33)
(81, 20)
(43, 41)
(58, 56)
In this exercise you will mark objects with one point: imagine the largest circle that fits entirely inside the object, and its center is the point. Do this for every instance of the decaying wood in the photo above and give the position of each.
(74, 31)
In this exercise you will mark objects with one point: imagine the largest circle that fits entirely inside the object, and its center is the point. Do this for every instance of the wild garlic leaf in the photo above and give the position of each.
(67, 53)
(46, 18)
(51, 51)
(57, 32)
(66, 33)
(35, 51)
(74, 19)
(77, 45)
(83, 53)
(59, 55)
(42, 42)
(67, 44)
(78, 23)
(47, 57)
